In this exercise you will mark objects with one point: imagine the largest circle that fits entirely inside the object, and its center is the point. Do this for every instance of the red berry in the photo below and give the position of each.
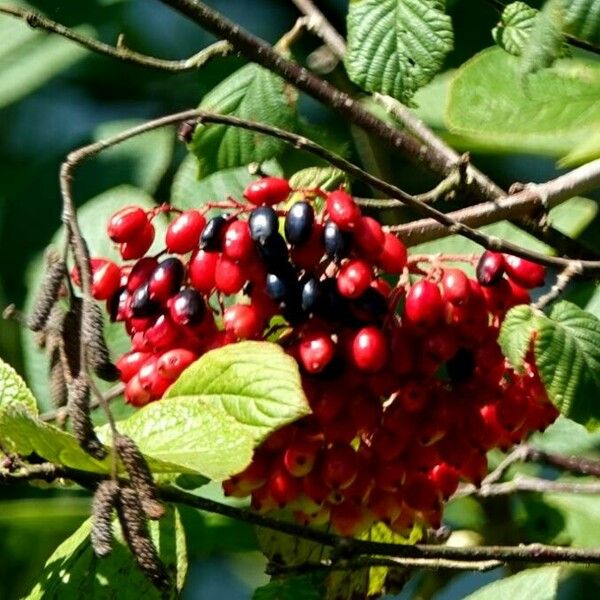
(268, 190)
(130, 363)
(140, 272)
(519, 295)
(309, 254)
(243, 320)
(127, 223)
(173, 362)
(342, 209)
(139, 245)
(339, 468)
(490, 268)
(151, 380)
(524, 272)
(187, 308)
(369, 237)
(316, 351)
(163, 334)
(424, 305)
(202, 267)
(183, 234)
(229, 276)
(106, 278)
(299, 458)
(349, 519)
(136, 394)
(166, 279)
(446, 478)
(283, 487)
(421, 494)
(354, 278)
(369, 349)
(456, 287)
(237, 243)
(393, 257)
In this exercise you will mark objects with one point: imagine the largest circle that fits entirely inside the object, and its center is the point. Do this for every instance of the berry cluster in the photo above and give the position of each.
(399, 356)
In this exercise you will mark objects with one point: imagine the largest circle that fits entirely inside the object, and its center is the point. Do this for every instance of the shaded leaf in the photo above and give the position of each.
(396, 46)
(531, 584)
(256, 383)
(306, 587)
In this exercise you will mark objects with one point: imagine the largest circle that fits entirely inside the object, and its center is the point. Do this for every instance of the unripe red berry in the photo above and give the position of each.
(445, 478)
(386, 506)
(139, 245)
(243, 320)
(163, 334)
(237, 242)
(349, 519)
(140, 272)
(130, 363)
(393, 257)
(283, 487)
(456, 287)
(136, 394)
(202, 267)
(369, 349)
(229, 276)
(524, 272)
(183, 234)
(519, 295)
(127, 223)
(342, 209)
(268, 190)
(309, 254)
(369, 237)
(173, 362)
(106, 278)
(421, 494)
(316, 351)
(354, 278)
(339, 467)
(424, 305)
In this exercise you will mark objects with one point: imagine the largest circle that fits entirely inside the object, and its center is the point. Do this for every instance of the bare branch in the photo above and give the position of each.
(562, 281)
(574, 464)
(120, 51)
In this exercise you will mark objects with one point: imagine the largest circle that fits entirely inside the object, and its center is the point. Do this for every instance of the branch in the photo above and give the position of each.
(562, 281)
(120, 51)
(573, 464)
(532, 553)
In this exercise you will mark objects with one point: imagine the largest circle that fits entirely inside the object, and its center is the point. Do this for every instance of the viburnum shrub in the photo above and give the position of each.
(399, 356)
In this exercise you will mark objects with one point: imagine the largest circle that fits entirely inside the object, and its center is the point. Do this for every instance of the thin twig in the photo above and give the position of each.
(562, 281)
(120, 51)
(574, 464)
(517, 455)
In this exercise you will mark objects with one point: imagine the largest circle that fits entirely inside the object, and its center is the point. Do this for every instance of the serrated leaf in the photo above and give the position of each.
(531, 584)
(251, 93)
(567, 355)
(326, 178)
(13, 390)
(189, 435)
(396, 46)
(516, 332)
(256, 383)
(74, 572)
(141, 161)
(557, 111)
(306, 587)
(187, 191)
(93, 216)
(515, 27)
(545, 42)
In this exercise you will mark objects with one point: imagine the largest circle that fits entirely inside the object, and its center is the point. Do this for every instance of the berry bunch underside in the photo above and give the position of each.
(398, 355)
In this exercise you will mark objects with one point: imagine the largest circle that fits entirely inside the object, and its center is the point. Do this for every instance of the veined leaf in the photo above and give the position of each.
(74, 572)
(326, 178)
(515, 27)
(251, 93)
(13, 390)
(582, 19)
(557, 112)
(531, 584)
(256, 383)
(516, 332)
(396, 46)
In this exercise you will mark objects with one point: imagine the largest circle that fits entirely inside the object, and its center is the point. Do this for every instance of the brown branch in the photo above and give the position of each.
(120, 51)
(562, 281)
(573, 464)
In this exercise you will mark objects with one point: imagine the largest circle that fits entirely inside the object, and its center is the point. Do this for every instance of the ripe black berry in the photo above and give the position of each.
(187, 307)
(263, 224)
(281, 286)
(461, 366)
(298, 223)
(274, 253)
(142, 305)
(371, 305)
(212, 234)
(337, 242)
(166, 279)
(310, 295)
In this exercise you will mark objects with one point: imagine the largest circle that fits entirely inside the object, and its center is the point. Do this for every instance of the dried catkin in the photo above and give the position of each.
(48, 294)
(140, 475)
(98, 356)
(79, 411)
(58, 383)
(104, 502)
(71, 337)
(137, 536)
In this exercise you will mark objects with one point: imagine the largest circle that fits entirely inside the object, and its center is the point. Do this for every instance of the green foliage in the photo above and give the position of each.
(326, 178)
(251, 93)
(256, 383)
(582, 19)
(13, 390)
(514, 28)
(552, 116)
(74, 572)
(396, 46)
(290, 588)
(567, 354)
(532, 584)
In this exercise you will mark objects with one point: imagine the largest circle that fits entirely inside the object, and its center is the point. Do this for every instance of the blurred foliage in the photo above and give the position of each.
(55, 97)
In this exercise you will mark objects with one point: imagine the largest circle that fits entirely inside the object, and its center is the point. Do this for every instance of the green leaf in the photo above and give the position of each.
(23, 433)
(531, 584)
(306, 587)
(567, 354)
(13, 389)
(251, 93)
(141, 161)
(189, 192)
(580, 514)
(515, 27)
(30, 58)
(515, 334)
(188, 435)
(93, 216)
(396, 46)
(545, 43)
(326, 178)
(582, 19)
(256, 383)
(586, 151)
(74, 572)
(556, 113)
(568, 438)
